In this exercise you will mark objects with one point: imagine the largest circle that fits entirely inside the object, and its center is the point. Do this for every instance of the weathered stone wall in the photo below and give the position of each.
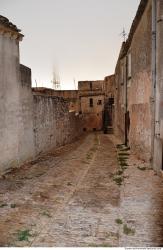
(140, 88)
(109, 86)
(158, 121)
(133, 86)
(120, 102)
(72, 96)
(92, 116)
(54, 125)
(75, 126)
(91, 85)
(10, 110)
(30, 123)
(26, 139)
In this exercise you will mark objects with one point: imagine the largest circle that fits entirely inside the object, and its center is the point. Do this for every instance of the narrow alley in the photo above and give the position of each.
(88, 193)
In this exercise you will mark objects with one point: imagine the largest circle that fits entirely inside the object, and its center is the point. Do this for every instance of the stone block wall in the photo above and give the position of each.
(53, 125)
(26, 139)
(31, 122)
(133, 113)
(140, 88)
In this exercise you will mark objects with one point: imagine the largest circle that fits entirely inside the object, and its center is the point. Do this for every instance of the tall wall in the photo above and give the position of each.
(133, 84)
(158, 135)
(72, 96)
(91, 85)
(26, 140)
(30, 122)
(109, 86)
(9, 100)
(139, 91)
(120, 98)
(54, 125)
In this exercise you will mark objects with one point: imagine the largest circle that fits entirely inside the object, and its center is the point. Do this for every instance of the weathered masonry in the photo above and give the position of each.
(96, 99)
(91, 96)
(139, 74)
(30, 122)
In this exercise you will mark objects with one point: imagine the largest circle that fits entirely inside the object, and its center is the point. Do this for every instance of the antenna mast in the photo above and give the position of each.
(124, 35)
(56, 81)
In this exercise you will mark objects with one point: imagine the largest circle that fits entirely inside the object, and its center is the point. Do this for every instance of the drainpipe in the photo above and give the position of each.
(153, 92)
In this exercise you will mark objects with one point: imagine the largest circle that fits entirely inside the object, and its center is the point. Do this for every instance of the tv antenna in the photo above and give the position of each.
(56, 81)
(124, 35)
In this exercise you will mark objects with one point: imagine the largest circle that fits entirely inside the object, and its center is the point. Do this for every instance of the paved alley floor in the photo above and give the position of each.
(88, 194)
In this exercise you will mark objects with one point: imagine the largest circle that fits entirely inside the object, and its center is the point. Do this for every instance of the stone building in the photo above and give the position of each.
(91, 98)
(93, 102)
(97, 104)
(138, 77)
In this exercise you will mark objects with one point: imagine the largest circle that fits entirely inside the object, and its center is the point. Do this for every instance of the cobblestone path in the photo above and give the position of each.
(80, 195)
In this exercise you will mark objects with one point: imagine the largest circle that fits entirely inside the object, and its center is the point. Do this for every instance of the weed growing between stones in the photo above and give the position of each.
(127, 230)
(119, 221)
(119, 172)
(89, 156)
(24, 235)
(118, 180)
(13, 205)
(69, 184)
(122, 157)
(100, 245)
(3, 205)
(45, 213)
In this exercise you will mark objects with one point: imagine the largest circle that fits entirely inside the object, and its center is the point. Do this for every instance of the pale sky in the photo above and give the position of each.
(79, 38)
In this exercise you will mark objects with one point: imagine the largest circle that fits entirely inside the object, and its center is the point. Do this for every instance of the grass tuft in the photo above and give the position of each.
(24, 235)
(119, 221)
(128, 231)
(118, 180)
(3, 205)
(100, 245)
(47, 214)
(119, 172)
(13, 205)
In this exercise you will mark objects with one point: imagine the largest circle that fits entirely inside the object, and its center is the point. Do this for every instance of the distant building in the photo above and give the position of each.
(92, 96)
(96, 103)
